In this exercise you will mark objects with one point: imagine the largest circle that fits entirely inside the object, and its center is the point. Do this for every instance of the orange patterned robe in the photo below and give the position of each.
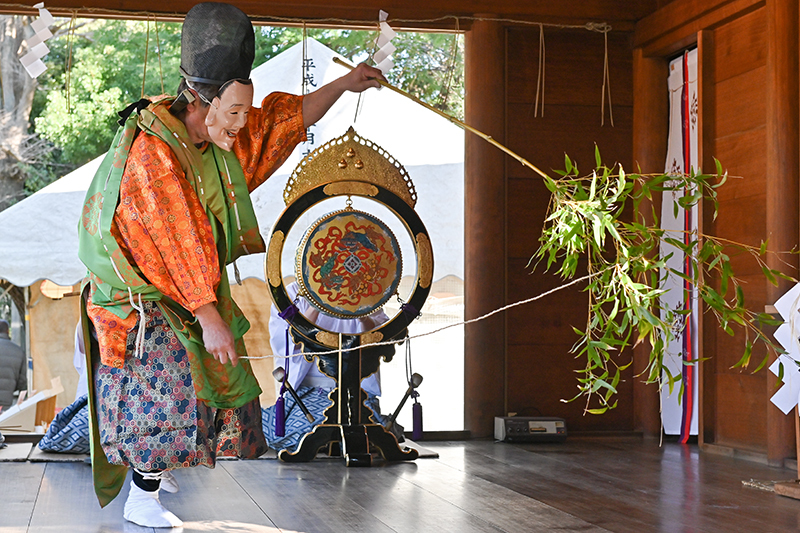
(161, 226)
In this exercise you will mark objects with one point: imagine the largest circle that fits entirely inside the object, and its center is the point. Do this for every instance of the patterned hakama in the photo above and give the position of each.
(149, 417)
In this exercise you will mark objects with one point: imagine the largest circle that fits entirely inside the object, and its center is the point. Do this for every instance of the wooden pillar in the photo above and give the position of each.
(707, 135)
(484, 228)
(650, 131)
(783, 203)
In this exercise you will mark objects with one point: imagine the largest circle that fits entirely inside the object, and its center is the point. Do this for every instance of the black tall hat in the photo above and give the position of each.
(217, 44)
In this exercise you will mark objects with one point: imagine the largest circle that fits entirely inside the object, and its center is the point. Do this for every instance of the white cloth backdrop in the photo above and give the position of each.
(679, 414)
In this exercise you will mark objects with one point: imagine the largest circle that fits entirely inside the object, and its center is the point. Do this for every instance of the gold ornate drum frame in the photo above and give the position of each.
(350, 166)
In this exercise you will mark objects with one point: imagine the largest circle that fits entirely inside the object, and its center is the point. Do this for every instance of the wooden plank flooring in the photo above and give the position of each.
(586, 484)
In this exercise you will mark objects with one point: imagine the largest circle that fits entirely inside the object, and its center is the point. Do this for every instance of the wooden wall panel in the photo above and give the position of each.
(739, 141)
(676, 25)
(527, 196)
(745, 175)
(563, 84)
(743, 101)
(749, 431)
(572, 97)
(742, 219)
(549, 319)
(741, 45)
(540, 369)
(567, 129)
(546, 377)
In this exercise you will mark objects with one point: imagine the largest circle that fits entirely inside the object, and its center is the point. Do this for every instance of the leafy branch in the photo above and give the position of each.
(586, 224)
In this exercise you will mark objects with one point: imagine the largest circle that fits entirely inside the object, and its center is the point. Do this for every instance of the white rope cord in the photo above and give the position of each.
(599, 27)
(540, 76)
(606, 86)
(471, 321)
(140, 332)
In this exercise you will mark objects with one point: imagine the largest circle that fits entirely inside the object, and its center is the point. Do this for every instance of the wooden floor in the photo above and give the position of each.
(586, 484)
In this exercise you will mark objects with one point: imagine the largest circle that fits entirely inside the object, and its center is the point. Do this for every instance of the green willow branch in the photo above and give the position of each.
(585, 224)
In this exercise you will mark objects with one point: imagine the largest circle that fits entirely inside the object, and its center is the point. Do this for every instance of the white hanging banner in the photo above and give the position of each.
(32, 61)
(382, 57)
(679, 409)
(788, 336)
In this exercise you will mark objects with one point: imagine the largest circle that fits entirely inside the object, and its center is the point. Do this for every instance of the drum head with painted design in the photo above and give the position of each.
(348, 264)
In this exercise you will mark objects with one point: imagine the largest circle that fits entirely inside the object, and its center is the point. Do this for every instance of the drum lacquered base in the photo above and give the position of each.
(355, 442)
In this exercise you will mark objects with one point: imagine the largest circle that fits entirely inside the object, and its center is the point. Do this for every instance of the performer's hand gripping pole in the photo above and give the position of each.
(416, 379)
(280, 375)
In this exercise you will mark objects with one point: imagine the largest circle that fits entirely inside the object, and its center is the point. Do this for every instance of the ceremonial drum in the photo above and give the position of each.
(349, 262)
(349, 265)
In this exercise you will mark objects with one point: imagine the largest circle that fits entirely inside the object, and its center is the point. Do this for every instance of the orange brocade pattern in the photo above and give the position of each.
(162, 227)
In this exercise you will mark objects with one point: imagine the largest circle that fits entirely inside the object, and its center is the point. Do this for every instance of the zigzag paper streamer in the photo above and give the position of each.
(788, 336)
(32, 61)
(382, 57)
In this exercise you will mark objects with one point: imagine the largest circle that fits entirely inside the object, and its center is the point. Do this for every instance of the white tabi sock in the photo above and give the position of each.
(169, 483)
(145, 509)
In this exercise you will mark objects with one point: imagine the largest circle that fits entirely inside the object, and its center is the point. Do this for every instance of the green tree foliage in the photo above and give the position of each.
(108, 62)
(77, 108)
(429, 66)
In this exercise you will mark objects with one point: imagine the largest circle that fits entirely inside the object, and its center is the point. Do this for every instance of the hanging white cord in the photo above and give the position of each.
(471, 321)
(540, 78)
(606, 87)
(139, 345)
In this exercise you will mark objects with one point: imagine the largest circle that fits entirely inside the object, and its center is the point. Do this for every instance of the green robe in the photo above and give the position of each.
(116, 281)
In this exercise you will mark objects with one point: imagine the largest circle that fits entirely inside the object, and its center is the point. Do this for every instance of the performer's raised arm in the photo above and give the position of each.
(316, 104)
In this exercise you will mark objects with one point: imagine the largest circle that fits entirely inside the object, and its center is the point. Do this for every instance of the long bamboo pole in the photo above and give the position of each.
(452, 119)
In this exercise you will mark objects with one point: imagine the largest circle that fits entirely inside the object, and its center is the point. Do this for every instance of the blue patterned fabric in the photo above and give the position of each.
(316, 400)
(149, 416)
(69, 431)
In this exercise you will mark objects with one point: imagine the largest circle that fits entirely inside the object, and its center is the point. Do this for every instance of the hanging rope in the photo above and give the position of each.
(599, 27)
(70, 41)
(146, 48)
(455, 121)
(371, 54)
(158, 49)
(606, 86)
(450, 68)
(463, 323)
(304, 68)
(540, 76)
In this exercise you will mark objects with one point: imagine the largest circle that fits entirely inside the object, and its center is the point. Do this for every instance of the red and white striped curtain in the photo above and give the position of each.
(679, 407)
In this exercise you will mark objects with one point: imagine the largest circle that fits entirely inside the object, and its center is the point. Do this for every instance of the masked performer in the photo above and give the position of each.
(167, 211)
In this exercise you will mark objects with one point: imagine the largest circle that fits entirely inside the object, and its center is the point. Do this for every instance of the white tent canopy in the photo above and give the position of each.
(38, 236)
